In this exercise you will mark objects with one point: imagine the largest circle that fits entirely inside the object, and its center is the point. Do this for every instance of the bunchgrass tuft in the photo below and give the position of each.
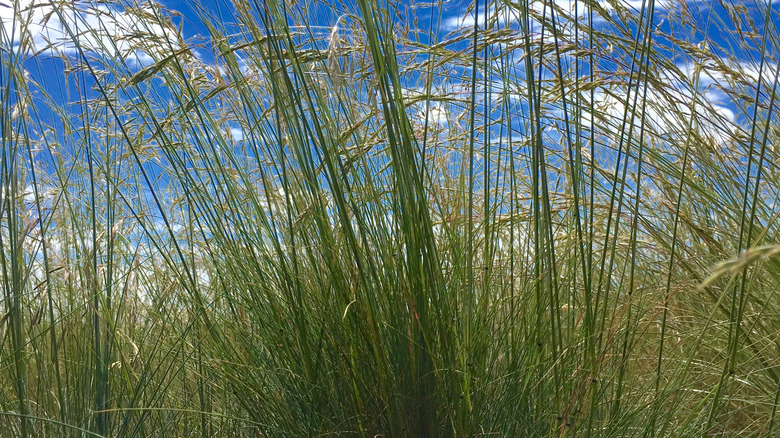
(310, 218)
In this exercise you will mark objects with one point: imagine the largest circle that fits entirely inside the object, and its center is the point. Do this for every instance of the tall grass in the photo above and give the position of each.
(538, 219)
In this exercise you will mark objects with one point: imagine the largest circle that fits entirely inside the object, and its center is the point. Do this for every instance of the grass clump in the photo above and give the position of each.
(310, 218)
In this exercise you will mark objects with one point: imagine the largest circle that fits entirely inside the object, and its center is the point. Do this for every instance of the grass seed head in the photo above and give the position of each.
(334, 47)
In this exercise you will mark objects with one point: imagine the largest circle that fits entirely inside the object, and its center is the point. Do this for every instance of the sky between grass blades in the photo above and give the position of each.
(316, 216)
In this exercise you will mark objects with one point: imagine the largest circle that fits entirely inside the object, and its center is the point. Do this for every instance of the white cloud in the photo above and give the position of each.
(724, 75)
(237, 134)
(437, 114)
(203, 277)
(29, 195)
(495, 19)
(38, 27)
(752, 71)
(719, 81)
(505, 16)
(666, 113)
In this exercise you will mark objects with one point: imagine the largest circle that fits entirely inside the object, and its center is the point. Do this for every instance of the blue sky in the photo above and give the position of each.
(453, 16)
(51, 54)
(50, 42)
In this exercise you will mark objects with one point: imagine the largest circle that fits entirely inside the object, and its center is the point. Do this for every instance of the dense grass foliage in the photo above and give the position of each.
(312, 218)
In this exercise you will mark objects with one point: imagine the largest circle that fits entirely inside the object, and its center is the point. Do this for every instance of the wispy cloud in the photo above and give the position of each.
(41, 26)
(505, 16)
